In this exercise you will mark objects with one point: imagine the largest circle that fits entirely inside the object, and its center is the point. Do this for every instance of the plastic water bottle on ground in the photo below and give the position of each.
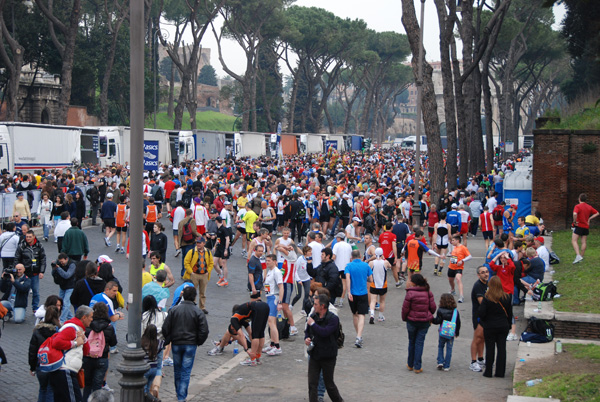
(236, 349)
(531, 383)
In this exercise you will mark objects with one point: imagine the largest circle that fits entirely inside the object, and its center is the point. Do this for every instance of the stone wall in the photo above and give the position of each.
(563, 168)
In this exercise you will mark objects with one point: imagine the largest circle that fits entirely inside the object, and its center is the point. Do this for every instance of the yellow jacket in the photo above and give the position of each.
(191, 259)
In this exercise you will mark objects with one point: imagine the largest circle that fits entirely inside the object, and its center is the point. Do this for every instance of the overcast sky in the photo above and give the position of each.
(380, 15)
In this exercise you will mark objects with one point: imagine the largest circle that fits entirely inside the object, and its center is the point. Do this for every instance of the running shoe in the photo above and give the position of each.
(178, 252)
(293, 331)
(109, 389)
(398, 284)
(220, 280)
(167, 362)
(358, 343)
(435, 271)
(248, 362)
(446, 368)
(578, 259)
(274, 352)
(381, 318)
(461, 299)
(223, 283)
(106, 242)
(216, 342)
(118, 248)
(439, 273)
(122, 250)
(267, 348)
(453, 292)
(372, 320)
(216, 351)
(440, 366)
(512, 337)
(475, 367)
(376, 306)
(300, 245)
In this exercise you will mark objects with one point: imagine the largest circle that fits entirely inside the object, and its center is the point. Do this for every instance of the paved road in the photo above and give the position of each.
(376, 372)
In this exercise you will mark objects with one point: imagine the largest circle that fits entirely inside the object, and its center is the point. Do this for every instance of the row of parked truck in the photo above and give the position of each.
(26, 147)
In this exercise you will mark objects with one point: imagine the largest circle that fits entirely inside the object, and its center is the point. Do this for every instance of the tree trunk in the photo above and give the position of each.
(477, 152)
(13, 66)
(429, 104)
(108, 72)
(489, 117)
(171, 91)
(329, 120)
(293, 106)
(460, 118)
(446, 23)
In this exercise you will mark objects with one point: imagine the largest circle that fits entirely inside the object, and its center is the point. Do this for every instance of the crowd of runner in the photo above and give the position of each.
(316, 229)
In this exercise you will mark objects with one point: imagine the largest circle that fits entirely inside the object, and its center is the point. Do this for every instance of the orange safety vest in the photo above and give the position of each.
(121, 214)
(151, 213)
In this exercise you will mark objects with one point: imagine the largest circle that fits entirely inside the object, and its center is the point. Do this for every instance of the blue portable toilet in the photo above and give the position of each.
(517, 188)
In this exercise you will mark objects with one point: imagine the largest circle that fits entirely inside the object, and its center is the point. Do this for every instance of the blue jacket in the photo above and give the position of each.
(21, 285)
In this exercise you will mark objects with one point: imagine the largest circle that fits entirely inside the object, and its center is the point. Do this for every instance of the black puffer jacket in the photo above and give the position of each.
(110, 336)
(41, 332)
(446, 314)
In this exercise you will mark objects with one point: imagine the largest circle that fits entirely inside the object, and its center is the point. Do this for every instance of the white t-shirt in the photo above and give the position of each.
(544, 255)
(343, 254)
(350, 230)
(491, 203)
(240, 215)
(379, 273)
(273, 279)
(316, 252)
(226, 217)
(178, 216)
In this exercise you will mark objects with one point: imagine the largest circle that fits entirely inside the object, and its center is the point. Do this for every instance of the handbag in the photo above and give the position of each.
(81, 378)
(448, 328)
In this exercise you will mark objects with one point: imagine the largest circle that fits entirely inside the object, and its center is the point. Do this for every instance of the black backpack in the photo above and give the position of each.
(542, 328)
(497, 214)
(300, 213)
(340, 337)
(187, 199)
(544, 291)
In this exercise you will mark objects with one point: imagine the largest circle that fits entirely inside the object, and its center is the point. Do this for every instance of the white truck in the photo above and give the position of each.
(312, 143)
(253, 145)
(113, 145)
(27, 147)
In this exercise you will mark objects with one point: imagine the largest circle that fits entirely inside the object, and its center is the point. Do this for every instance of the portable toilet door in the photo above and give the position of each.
(517, 190)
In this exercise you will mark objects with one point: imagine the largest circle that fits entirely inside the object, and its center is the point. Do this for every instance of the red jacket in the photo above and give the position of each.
(506, 273)
(419, 305)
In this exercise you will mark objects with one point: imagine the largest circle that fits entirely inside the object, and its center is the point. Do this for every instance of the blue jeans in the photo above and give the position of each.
(45, 394)
(416, 341)
(35, 288)
(445, 361)
(183, 361)
(154, 371)
(335, 223)
(94, 370)
(46, 230)
(18, 312)
(66, 314)
(184, 251)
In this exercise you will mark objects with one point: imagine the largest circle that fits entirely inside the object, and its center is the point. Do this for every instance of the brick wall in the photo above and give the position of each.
(562, 171)
(576, 330)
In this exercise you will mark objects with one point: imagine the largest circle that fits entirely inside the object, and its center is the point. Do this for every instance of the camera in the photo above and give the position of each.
(8, 271)
(310, 347)
(53, 264)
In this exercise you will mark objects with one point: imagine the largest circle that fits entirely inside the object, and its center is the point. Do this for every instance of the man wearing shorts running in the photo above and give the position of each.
(486, 222)
(387, 241)
(109, 208)
(583, 213)
(358, 274)
(459, 255)
(414, 253)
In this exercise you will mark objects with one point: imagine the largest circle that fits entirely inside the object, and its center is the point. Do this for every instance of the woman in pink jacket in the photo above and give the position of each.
(417, 311)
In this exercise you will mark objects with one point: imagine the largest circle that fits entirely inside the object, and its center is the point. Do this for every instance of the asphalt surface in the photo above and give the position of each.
(375, 372)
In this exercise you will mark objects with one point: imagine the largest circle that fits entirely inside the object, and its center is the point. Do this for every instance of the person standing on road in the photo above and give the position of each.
(93, 196)
(321, 331)
(327, 273)
(417, 310)
(187, 234)
(458, 256)
(61, 228)
(477, 295)
(44, 212)
(9, 241)
(31, 254)
(15, 300)
(63, 272)
(198, 265)
(72, 341)
(446, 312)
(42, 331)
(121, 222)
(109, 208)
(274, 292)
(486, 222)
(358, 274)
(75, 242)
(87, 287)
(342, 255)
(255, 271)
(185, 328)
(583, 213)
(496, 315)
(387, 241)
(222, 250)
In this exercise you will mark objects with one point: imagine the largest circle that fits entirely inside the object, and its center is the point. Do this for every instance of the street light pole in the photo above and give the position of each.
(416, 206)
(133, 366)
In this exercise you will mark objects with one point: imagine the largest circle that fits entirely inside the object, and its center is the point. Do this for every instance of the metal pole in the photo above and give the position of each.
(133, 366)
(416, 207)
(154, 62)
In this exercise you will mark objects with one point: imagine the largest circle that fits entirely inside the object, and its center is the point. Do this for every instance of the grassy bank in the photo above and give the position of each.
(208, 120)
(572, 376)
(578, 283)
(588, 119)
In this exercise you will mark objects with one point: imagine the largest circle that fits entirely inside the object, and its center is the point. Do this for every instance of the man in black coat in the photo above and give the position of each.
(327, 273)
